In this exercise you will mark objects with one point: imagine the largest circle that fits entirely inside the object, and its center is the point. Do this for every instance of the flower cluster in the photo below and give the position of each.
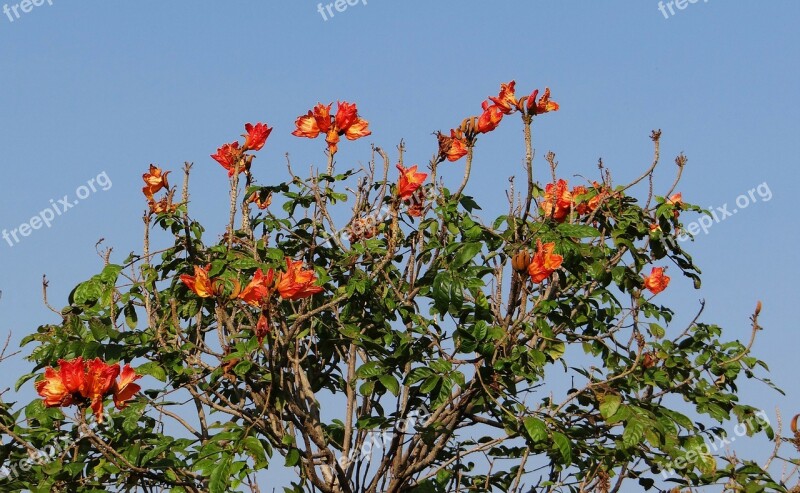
(87, 382)
(559, 200)
(154, 181)
(232, 157)
(506, 103)
(320, 121)
(656, 281)
(293, 284)
(408, 189)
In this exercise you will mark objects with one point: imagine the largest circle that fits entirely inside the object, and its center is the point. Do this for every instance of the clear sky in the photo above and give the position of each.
(90, 87)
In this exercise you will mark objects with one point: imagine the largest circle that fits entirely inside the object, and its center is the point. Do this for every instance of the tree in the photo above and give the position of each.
(378, 336)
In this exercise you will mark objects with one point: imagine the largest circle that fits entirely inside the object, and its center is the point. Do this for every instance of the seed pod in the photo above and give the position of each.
(521, 261)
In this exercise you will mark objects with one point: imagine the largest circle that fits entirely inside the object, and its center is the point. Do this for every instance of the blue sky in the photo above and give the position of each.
(91, 87)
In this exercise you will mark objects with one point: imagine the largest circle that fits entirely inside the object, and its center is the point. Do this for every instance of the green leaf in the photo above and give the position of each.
(562, 444)
(390, 383)
(610, 405)
(634, 432)
(577, 230)
(218, 482)
(537, 430)
(153, 369)
(130, 315)
(292, 458)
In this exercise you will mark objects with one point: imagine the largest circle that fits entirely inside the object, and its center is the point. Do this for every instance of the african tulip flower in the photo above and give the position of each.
(315, 122)
(544, 105)
(506, 101)
(163, 206)
(256, 136)
(228, 155)
(676, 200)
(125, 389)
(261, 204)
(262, 327)
(490, 118)
(63, 386)
(410, 180)
(199, 282)
(78, 382)
(557, 200)
(154, 181)
(656, 281)
(544, 262)
(259, 289)
(451, 148)
(97, 383)
(297, 282)
(319, 120)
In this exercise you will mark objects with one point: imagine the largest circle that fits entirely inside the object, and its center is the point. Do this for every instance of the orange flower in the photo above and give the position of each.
(154, 181)
(79, 381)
(262, 327)
(98, 382)
(451, 148)
(656, 281)
(163, 206)
(346, 122)
(544, 105)
(316, 121)
(297, 282)
(490, 118)
(63, 386)
(410, 180)
(557, 201)
(259, 289)
(125, 388)
(261, 204)
(228, 155)
(506, 100)
(676, 200)
(199, 282)
(544, 262)
(256, 136)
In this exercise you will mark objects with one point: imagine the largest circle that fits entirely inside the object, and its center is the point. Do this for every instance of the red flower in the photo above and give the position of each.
(199, 282)
(79, 381)
(544, 105)
(506, 100)
(410, 180)
(297, 282)
(256, 136)
(557, 201)
(63, 386)
(98, 383)
(125, 389)
(259, 289)
(544, 262)
(451, 148)
(490, 118)
(262, 327)
(228, 155)
(656, 281)
(346, 122)
(154, 181)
